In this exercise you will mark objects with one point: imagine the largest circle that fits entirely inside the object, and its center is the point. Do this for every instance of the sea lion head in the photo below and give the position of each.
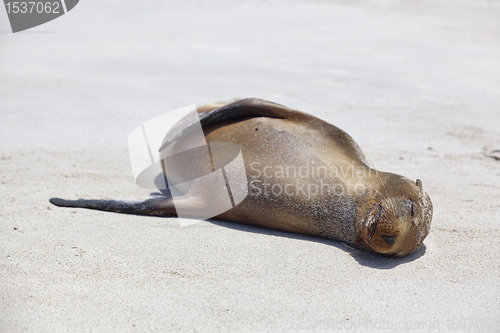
(397, 218)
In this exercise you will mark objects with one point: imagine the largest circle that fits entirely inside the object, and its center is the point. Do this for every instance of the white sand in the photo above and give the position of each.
(399, 76)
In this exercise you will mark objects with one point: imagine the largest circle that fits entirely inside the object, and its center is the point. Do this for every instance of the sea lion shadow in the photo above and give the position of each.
(369, 259)
(378, 261)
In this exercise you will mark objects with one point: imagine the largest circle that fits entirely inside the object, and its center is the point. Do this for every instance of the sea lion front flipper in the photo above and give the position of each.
(249, 107)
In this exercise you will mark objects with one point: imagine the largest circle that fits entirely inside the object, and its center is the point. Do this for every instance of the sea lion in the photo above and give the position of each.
(304, 176)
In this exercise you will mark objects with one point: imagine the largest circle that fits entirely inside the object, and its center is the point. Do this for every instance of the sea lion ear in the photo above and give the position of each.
(419, 183)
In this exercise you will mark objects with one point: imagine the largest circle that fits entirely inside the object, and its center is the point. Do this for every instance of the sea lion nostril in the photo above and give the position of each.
(389, 239)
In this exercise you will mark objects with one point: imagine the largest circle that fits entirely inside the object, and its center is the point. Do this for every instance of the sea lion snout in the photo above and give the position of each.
(386, 229)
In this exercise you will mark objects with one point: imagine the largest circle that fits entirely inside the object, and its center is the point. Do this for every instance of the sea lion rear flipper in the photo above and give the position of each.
(252, 107)
(157, 206)
(189, 205)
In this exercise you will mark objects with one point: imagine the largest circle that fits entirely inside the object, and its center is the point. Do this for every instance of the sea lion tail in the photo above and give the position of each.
(160, 206)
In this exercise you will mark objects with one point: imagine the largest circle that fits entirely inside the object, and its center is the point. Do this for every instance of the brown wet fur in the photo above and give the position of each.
(370, 220)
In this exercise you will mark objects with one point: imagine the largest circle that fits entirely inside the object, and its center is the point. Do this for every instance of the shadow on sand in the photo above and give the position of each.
(369, 259)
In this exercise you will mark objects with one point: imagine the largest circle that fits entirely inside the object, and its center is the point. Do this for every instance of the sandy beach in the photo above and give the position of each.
(415, 83)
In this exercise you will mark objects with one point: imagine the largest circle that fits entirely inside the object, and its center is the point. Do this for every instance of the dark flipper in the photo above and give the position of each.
(242, 108)
(159, 206)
